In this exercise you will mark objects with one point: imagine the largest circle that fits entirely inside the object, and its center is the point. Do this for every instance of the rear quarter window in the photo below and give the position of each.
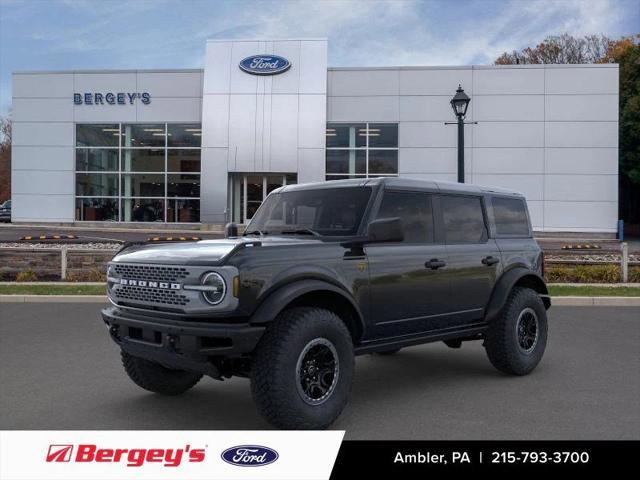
(510, 215)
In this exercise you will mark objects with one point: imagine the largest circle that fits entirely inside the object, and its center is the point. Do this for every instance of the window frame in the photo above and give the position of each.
(483, 208)
(366, 148)
(120, 172)
(437, 238)
(494, 225)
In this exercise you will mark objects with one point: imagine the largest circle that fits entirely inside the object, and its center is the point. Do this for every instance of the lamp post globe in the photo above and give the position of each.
(460, 102)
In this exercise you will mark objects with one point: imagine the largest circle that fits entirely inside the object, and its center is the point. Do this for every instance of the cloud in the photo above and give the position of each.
(70, 34)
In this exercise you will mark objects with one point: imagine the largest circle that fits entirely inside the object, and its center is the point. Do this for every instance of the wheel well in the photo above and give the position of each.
(335, 303)
(535, 283)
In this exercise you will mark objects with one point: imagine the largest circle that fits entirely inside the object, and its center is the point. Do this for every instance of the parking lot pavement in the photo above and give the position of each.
(59, 370)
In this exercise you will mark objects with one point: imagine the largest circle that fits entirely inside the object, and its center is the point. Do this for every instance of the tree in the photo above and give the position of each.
(560, 49)
(5, 159)
(600, 49)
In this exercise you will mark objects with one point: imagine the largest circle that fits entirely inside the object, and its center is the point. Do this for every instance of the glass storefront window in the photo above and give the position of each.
(184, 135)
(142, 210)
(346, 136)
(383, 162)
(96, 209)
(346, 161)
(152, 171)
(183, 161)
(143, 160)
(98, 135)
(143, 185)
(143, 135)
(96, 185)
(179, 185)
(383, 135)
(183, 211)
(96, 160)
(361, 150)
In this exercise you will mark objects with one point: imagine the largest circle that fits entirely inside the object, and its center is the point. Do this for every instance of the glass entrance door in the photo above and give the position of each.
(247, 191)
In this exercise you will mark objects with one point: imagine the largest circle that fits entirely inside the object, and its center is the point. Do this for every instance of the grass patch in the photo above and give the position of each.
(589, 291)
(53, 290)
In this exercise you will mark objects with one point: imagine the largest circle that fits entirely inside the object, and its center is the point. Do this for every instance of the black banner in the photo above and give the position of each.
(412, 459)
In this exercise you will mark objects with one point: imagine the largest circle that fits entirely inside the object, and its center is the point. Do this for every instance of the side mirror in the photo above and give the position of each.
(231, 230)
(385, 230)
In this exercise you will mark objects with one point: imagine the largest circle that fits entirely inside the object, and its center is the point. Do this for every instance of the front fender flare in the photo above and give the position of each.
(276, 301)
(505, 284)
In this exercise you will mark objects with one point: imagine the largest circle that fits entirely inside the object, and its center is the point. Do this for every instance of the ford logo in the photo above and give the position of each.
(265, 64)
(249, 456)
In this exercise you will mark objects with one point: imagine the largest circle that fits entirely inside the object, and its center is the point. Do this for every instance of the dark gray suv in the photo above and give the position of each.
(325, 272)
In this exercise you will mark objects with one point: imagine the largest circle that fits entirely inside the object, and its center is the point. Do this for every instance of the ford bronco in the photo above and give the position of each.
(324, 272)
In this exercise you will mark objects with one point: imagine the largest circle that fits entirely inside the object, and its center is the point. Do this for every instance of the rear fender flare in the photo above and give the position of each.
(505, 284)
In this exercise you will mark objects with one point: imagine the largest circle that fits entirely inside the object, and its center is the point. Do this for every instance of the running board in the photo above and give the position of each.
(387, 344)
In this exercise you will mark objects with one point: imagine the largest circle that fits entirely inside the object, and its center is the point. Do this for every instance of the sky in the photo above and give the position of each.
(114, 34)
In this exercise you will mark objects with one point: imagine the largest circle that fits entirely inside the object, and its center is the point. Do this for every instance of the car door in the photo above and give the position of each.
(409, 286)
(473, 257)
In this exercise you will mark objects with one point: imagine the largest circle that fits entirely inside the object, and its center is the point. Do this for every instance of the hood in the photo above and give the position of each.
(203, 252)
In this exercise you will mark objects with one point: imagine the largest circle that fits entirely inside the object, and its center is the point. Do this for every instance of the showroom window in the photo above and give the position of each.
(361, 150)
(138, 172)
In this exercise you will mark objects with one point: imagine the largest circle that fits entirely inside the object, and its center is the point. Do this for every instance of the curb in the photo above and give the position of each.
(595, 301)
(53, 299)
(555, 301)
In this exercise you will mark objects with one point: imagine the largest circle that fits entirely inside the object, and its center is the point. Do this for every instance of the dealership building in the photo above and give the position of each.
(207, 145)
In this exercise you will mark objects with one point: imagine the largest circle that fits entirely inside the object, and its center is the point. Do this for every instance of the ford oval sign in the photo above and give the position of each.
(249, 456)
(265, 64)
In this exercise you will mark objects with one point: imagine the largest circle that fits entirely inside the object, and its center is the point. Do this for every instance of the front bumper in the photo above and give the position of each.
(180, 344)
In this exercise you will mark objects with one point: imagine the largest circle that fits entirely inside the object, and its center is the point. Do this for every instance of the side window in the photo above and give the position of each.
(510, 215)
(414, 211)
(463, 219)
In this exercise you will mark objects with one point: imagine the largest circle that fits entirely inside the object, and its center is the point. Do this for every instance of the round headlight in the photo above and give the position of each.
(215, 288)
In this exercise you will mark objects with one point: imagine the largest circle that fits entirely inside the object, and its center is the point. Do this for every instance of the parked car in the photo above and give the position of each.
(5, 211)
(325, 272)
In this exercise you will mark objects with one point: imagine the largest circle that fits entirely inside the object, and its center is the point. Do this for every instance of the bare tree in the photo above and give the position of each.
(563, 48)
(5, 159)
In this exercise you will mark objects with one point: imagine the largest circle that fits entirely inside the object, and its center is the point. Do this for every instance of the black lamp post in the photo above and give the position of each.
(460, 103)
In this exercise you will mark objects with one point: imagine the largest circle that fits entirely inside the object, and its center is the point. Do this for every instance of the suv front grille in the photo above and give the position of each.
(152, 295)
(151, 272)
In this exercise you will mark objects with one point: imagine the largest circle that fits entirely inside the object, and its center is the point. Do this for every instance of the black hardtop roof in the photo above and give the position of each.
(401, 182)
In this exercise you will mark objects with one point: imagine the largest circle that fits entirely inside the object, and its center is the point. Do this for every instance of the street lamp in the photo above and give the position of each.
(460, 103)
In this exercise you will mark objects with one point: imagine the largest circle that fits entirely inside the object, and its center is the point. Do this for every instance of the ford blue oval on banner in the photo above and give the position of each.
(265, 64)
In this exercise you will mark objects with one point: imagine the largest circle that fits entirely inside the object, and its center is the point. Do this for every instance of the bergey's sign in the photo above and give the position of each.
(265, 64)
(111, 98)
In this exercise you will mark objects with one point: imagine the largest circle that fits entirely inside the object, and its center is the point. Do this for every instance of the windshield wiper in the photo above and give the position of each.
(255, 232)
(301, 231)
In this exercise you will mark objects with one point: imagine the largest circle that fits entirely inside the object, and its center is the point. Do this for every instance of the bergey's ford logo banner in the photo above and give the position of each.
(265, 64)
(249, 455)
(111, 98)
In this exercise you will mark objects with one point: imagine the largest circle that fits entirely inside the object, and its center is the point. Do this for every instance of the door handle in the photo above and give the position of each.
(488, 261)
(434, 264)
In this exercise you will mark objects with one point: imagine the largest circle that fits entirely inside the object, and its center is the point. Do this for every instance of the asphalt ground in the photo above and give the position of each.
(60, 370)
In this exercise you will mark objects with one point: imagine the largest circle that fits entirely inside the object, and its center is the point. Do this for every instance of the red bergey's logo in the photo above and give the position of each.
(131, 457)
(59, 453)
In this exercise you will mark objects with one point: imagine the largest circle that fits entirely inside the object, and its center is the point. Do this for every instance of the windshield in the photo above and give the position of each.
(322, 211)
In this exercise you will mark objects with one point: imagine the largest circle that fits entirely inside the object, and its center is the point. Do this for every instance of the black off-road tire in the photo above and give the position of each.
(502, 342)
(275, 376)
(391, 351)
(156, 378)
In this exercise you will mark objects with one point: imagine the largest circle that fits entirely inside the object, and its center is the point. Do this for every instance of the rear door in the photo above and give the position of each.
(409, 286)
(474, 258)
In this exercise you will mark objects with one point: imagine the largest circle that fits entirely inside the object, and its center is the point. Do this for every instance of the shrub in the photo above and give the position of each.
(634, 274)
(27, 276)
(96, 275)
(583, 273)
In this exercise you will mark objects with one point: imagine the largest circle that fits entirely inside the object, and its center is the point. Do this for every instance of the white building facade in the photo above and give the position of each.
(206, 146)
